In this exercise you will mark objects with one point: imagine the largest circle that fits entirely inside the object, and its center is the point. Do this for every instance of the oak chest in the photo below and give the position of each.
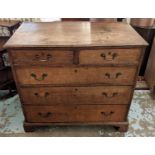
(75, 73)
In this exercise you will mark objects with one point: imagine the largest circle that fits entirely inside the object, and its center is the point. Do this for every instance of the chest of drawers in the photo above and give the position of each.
(78, 73)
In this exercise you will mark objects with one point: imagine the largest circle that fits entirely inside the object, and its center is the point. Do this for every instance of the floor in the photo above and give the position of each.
(141, 119)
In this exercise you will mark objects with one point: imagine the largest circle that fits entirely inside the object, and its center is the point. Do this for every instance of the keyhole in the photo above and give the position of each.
(75, 71)
(109, 53)
(76, 89)
(75, 107)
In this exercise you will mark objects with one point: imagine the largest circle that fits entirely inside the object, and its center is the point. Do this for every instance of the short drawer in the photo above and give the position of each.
(80, 113)
(110, 56)
(76, 95)
(40, 57)
(76, 75)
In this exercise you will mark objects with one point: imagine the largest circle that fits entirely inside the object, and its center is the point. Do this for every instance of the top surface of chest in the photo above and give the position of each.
(75, 34)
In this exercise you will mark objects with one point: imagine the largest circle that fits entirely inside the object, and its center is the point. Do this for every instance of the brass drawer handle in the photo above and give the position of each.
(44, 115)
(109, 76)
(39, 78)
(40, 57)
(107, 113)
(110, 95)
(109, 56)
(41, 95)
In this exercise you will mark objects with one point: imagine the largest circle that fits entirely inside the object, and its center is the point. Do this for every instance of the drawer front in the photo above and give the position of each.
(40, 57)
(78, 75)
(80, 113)
(77, 95)
(110, 56)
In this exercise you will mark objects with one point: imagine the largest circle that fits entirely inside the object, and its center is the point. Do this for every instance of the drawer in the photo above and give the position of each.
(80, 113)
(40, 57)
(110, 56)
(76, 75)
(77, 95)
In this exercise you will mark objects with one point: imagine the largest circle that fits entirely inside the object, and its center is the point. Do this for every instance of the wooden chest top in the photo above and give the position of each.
(75, 34)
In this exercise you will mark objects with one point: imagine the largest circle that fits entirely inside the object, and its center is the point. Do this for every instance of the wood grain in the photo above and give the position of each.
(72, 113)
(42, 57)
(76, 95)
(89, 79)
(74, 34)
(76, 75)
(110, 56)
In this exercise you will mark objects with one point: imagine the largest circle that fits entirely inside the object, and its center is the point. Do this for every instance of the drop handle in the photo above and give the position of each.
(46, 94)
(44, 115)
(38, 57)
(113, 76)
(109, 95)
(107, 113)
(109, 56)
(39, 78)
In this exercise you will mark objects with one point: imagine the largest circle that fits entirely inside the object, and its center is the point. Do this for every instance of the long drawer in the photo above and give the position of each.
(76, 95)
(76, 75)
(80, 113)
(110, 56)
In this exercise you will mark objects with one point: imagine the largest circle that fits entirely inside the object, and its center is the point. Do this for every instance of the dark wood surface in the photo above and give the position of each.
(8, 24)
(150, 70)
(6, 77)
(119, 126)
(73, 70)
(74, 34)
(148, 34)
